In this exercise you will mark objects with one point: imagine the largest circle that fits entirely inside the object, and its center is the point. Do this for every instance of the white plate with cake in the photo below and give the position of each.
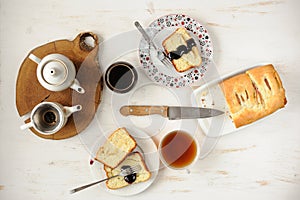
(186, 43)
(121, 148)
(245, 96)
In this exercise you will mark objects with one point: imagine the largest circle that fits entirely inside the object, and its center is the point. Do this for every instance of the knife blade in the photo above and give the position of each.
(171, 112)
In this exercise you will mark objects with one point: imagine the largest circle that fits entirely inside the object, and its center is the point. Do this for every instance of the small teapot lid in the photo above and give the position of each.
(55, 72)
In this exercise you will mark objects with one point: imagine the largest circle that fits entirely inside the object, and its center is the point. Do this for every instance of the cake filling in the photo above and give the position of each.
(182, 49)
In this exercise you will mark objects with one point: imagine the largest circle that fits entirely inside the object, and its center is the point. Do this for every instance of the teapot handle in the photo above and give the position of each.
(26, 126)
(34, 58)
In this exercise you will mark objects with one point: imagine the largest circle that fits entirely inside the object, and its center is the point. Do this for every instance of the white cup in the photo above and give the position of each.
(48, 117)
(56, 72)
(179, 150)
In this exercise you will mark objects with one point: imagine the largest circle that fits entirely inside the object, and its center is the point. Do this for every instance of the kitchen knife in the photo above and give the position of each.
(171, 112)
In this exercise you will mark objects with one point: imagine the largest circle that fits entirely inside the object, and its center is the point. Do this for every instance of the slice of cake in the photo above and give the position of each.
(118, 145)
(182, 50)
(131, 160)
(254, 94)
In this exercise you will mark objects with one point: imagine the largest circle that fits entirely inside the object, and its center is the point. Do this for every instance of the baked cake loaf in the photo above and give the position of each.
(254, 94)
(182, 50)
(118, 145)
(131, 160)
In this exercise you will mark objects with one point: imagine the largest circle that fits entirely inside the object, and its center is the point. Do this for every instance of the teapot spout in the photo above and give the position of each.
(70, 110)
(76, 86)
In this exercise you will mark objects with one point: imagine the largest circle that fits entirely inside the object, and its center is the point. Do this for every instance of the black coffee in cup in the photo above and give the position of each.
(121, 77)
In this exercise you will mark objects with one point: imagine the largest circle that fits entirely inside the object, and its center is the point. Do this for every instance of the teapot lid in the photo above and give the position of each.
(54, 72)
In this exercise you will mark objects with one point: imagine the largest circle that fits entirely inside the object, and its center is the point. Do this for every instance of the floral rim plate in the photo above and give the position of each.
(145, 145)
(155, 70)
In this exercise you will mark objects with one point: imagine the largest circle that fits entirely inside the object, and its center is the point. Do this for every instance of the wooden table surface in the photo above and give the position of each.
(259, 162)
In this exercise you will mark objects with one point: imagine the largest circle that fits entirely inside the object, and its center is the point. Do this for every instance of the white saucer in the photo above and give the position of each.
(158, 31)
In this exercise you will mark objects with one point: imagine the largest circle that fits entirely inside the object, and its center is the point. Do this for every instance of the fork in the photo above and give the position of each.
(160, 54)
(124, 172)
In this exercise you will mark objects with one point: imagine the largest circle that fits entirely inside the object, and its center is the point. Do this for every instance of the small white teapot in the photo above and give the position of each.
(49, 117)
(56, 72)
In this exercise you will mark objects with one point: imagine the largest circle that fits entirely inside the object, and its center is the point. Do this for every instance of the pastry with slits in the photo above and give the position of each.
(254, 94)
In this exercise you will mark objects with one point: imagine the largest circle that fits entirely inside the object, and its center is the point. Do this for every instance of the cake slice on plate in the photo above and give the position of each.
(118, 145)
(182, 50)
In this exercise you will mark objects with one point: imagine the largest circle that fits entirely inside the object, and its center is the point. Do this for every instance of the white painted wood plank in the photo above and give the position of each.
(259, 162)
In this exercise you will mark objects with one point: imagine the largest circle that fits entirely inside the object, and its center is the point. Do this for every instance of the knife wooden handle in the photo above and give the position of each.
(144, 110)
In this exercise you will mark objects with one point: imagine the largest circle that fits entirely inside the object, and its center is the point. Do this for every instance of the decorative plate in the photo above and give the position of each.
(158, 31)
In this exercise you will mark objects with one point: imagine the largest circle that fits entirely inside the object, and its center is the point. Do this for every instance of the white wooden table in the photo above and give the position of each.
(259, 162)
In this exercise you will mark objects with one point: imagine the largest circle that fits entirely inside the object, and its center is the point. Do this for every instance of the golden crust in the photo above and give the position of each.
(268, 83)
(254, 94)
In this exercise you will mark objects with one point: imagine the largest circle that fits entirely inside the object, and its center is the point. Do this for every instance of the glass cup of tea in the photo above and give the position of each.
(121, 77)
(179, 150)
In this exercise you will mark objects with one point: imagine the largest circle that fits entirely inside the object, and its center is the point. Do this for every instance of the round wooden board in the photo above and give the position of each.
(29, 91)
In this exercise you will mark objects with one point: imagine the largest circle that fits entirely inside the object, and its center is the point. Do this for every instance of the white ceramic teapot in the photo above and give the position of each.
(56, 72)
(49, 117)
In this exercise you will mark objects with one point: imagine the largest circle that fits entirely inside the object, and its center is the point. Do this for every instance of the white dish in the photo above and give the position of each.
(145, 146)
(210, 95)
(158, 31)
